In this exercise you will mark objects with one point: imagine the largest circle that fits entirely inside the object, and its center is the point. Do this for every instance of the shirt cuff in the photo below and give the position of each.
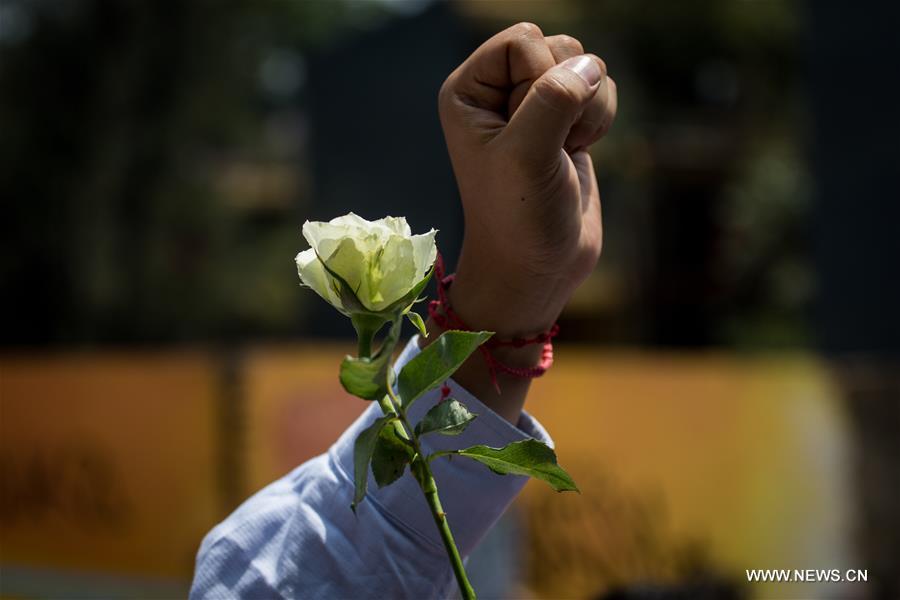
(472, 495)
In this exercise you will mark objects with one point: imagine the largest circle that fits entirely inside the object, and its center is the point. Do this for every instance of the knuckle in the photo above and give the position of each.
(526, 29)
(567, 41)
(603, 127)
(613, 97)
(587, 257)
(447, 92)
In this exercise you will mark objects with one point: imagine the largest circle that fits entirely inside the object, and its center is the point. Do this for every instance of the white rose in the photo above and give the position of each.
(381, 262)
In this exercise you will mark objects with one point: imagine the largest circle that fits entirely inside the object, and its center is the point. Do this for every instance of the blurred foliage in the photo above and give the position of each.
(153, 165)
(156, 166)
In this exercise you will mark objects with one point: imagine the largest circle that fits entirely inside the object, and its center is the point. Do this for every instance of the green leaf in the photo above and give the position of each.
(366, 378)
(416, 319)
(362, 454)
(449, 417)
(390, 457)
(528, 457)
(437, 362)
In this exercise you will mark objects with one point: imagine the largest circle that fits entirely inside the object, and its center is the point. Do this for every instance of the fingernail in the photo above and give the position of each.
(585, 67)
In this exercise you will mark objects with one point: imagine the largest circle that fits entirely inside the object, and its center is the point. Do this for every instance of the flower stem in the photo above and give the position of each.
(429, 488)
(364, 349)
(421, 469)
(366, 327)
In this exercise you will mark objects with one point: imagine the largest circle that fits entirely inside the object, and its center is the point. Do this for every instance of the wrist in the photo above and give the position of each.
(512, 307)
(482, 301)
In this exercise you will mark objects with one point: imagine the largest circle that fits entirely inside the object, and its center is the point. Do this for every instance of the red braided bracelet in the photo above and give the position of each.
(444, 315)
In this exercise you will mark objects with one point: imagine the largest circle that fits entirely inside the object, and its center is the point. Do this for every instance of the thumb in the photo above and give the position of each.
(538, 129)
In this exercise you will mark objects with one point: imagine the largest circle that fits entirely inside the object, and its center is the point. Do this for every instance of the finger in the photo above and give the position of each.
(587, 180)
(595, 119)
(561, 47)
(597, 116)
(540, 126)
(510, 60)
(591, 213)
(612, 107)
(601, 127)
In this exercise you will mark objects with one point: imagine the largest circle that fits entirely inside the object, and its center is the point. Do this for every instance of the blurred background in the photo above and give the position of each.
(727, 388)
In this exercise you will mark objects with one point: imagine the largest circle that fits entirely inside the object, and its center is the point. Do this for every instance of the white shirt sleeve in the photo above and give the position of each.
(298, 537)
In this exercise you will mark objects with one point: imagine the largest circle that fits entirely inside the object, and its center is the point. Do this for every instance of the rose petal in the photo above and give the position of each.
(314, 276)
(396, 271)
(396, 226)
(325, 237)
(352, 265)
(424, 252)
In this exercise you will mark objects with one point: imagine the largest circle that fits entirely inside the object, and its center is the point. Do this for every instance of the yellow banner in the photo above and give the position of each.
(108, 462)
(687, 463)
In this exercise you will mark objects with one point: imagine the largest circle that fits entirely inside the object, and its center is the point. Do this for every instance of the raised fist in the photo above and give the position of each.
(518, 116)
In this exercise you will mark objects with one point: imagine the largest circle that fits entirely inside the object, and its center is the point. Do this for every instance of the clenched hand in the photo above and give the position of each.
(518, 116)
